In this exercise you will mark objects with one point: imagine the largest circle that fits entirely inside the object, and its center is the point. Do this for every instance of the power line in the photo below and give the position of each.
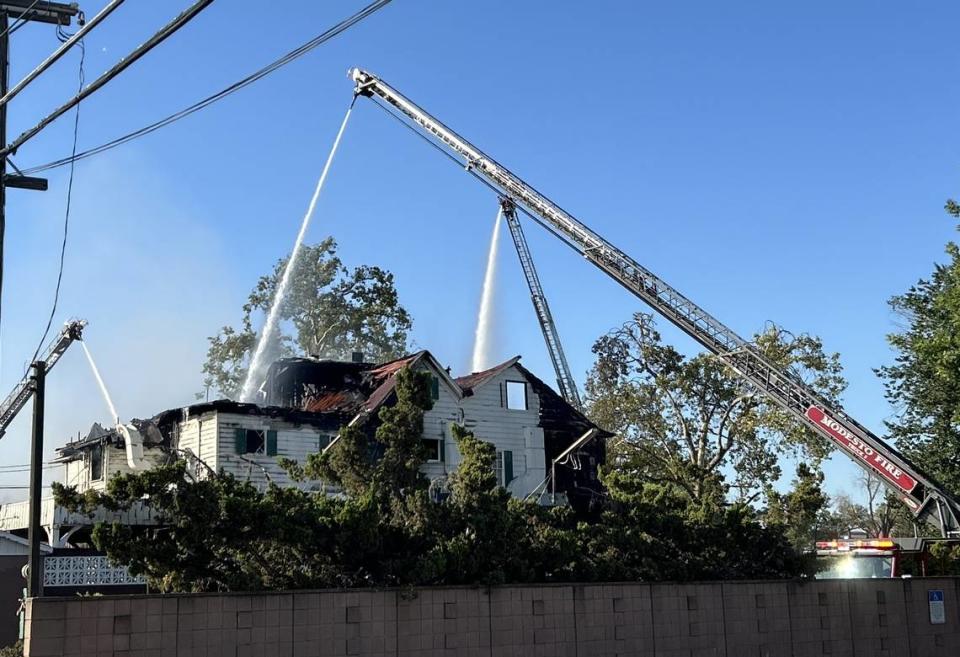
(165, 32)
(59, 52)
(66, 217)
(19, 22)
(294, 54)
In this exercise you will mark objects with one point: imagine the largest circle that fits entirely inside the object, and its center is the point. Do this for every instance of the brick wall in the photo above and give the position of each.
(855, 618)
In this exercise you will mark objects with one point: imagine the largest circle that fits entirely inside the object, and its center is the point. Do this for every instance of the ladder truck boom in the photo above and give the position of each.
(926, 499)
(568, 387)
(21, 393)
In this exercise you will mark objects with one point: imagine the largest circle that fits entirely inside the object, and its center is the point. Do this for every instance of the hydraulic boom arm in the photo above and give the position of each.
(922, 494)
(568, 387)
(22, 392)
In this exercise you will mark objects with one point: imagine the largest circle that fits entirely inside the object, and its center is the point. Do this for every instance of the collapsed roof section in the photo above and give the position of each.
(100, 435)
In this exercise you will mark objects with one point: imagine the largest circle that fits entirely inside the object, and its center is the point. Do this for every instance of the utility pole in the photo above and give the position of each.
(36, 478)
(56, 13)
(59, 14)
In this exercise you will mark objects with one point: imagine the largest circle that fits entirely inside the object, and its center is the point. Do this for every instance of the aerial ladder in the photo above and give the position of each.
(568, 387)
(18, 398)
(922, 494)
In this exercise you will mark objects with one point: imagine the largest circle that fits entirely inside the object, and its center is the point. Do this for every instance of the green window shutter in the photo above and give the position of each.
(443, 449)
(271, 443)
(434, 387)
(240, 440)
(507, 468)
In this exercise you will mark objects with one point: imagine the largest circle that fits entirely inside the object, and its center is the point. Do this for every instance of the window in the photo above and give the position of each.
(96, 462)
(434, 388)
(517, 395)
(255, 441)
(433, 448)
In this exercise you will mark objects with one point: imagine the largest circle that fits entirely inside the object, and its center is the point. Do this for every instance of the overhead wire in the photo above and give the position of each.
(66, 217)
(20, 21)
(294, 54)
(159, 37)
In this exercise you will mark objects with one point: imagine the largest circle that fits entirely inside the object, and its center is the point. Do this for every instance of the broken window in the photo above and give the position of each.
(255, 441)
(96, 462)
(517, 395)
(433, 448)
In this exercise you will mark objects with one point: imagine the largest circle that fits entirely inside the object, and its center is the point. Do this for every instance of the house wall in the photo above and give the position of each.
(211, 438)
(294, 442)
(198, 436)
(77, 472)
(854, 618)
(486, 415)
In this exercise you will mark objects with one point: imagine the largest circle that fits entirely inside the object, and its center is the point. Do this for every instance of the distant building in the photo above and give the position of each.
(307, 401)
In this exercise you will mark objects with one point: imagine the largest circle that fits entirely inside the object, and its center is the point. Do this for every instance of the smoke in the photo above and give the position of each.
(483, 339)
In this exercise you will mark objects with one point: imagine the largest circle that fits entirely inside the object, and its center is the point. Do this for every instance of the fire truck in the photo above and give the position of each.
(848, 558)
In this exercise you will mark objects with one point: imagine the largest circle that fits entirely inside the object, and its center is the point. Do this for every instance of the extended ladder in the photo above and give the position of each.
(925, 497)
(568, 387)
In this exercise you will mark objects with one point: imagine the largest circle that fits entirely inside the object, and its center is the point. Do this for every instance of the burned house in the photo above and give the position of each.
(307, 401)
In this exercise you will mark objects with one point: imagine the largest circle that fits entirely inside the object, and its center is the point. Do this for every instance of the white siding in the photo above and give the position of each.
(486, 415)
(197, 436)
(294, 442)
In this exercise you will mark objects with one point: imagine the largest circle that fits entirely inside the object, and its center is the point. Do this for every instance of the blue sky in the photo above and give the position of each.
(782, 162)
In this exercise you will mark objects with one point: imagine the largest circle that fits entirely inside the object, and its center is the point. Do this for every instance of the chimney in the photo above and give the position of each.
(357, 357)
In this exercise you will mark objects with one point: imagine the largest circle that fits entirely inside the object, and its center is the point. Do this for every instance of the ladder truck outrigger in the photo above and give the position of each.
(23, 391)
(922, 494)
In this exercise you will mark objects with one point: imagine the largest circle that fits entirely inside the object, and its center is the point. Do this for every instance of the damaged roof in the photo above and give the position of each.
(327, 394)
(471, 381)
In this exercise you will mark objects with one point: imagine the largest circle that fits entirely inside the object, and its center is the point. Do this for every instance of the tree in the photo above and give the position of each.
(923, 383)
(883, 515)
(655, 532)
(800, 511)
(329, 311)
(692, 422)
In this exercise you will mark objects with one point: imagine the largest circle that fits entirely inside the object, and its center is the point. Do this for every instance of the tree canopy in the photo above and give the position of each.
(329, 311)
(923, 383)
(695, 424)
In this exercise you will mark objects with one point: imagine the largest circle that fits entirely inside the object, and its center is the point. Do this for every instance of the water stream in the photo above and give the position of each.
(257, 370)
(483, 339)
(114, 416)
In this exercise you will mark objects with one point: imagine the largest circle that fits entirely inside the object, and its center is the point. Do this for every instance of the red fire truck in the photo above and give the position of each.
(873, 557)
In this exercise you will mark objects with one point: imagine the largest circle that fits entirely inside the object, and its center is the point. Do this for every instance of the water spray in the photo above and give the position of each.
(114, 416)
(255, 372)
(483, 339)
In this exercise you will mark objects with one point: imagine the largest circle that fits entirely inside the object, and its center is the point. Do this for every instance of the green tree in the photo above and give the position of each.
(692, 422)
(655, 531)
(923, 383)
(15, 650)
(481, 527)
(800, 511)
(329, 311)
